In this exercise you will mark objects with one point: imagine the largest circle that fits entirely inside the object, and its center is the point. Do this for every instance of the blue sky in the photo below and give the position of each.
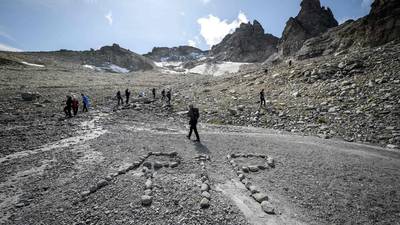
(140, 25)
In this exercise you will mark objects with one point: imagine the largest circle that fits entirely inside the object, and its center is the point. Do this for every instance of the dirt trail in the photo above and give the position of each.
(312, 182)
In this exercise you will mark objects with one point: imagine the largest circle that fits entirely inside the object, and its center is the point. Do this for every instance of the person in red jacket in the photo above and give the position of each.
(75, 105)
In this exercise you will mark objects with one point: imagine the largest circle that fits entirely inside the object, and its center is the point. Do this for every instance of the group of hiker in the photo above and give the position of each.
(165, 96)
(72, 105)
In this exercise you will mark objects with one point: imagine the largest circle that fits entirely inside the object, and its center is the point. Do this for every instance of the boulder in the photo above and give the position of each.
(30, 96)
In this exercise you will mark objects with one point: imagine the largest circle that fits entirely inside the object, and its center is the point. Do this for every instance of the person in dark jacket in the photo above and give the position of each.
(119, 97)
(262, 98)
(169, 97)
(163, 94)
(193, 119)
(154, 93)
(127, 95)
(75, 105)
(68, 107)
(85, 103)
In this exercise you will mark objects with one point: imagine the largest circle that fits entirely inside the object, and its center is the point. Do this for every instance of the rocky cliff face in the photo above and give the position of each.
(311, 21)
(248, 43)
(381, 26)
(119, 56)
(181, 53)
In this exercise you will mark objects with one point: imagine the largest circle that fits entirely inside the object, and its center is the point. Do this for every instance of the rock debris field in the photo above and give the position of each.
(134, 165)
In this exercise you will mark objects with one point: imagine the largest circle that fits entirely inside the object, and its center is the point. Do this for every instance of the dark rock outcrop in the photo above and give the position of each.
(311, 21)
(381, 26)
(181, 53)
(248, 43)
(118, 56)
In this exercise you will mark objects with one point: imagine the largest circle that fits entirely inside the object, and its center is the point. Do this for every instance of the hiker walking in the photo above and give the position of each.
(68, 107)
(262, 98)
(75, 105)
(154, 93)
(193, 119)
(119, 97)
(163, 94)
(85, 103)
(169, 97)
(127, 95)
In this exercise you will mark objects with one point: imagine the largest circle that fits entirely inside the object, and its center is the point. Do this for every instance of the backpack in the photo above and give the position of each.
(196, 113)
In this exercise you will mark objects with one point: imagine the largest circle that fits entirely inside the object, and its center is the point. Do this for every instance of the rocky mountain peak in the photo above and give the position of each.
(311, 21)
(181, 53)
(248, 43)
(310, 5)
(257, 27)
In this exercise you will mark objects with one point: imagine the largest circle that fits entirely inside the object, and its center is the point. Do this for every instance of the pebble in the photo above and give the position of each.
(147, 164)
(85, 193)
(253, 189)
(245, 169)
(148, 184)
(204, 203)
(146, 200)
(205, 187)
(101, 184)
(260, 197)
(173, 154)
(262, 167)
(271, 162)
(253, 168)
(173, 164)
(157, 165)
(267, 207)
(147, 192)
(108, 178)
(241, 177)
(206, 194)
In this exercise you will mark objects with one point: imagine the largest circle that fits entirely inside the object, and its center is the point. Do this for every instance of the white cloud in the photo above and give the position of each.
(213, 29)
(366, 4)
(205, 1)
(192, 43)
(7, 48)
(4, 34)
(182, 13)
(109, 18)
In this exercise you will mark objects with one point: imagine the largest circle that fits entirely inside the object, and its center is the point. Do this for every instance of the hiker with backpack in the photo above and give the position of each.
(119, 98)
(193, 119)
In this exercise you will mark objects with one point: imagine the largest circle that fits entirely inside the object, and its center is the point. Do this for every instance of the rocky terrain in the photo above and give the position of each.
(381, 26)
(248, 43)
(108, 58)
(181, 53)
(324, 150)
(311, 21)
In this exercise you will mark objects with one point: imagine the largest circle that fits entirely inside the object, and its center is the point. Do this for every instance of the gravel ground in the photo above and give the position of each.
(314, 181)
